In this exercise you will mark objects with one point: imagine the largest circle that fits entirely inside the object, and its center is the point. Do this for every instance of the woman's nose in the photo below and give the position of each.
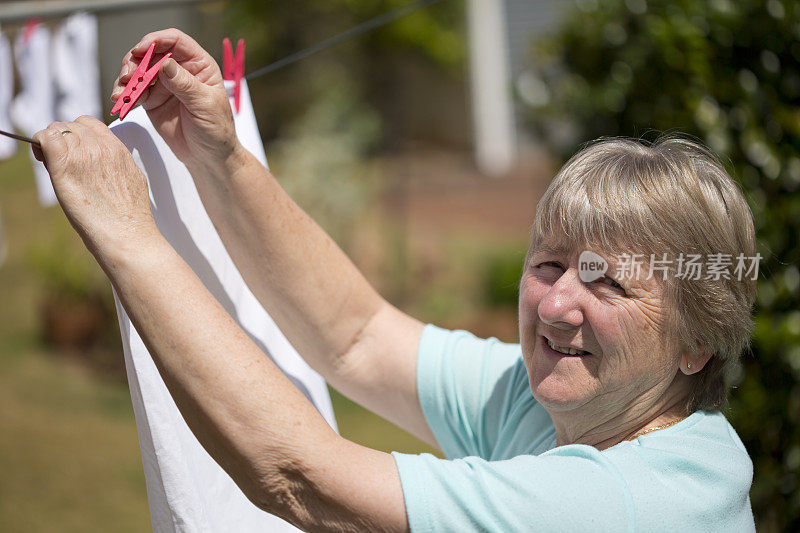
(561, 304)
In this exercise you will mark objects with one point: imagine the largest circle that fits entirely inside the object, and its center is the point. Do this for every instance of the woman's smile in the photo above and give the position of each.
(556, 350)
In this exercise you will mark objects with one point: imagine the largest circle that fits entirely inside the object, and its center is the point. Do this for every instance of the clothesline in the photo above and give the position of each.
(11, 11)
(50, 8)
(364, 27)
(27, 10)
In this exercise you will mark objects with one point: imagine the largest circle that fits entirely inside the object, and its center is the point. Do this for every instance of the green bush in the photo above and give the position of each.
(66, 269)
(726, 72)
(502, 278)
(77, 306)
(320, 158)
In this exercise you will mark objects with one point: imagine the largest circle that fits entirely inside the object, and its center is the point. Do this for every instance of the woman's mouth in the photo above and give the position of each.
(561, 351)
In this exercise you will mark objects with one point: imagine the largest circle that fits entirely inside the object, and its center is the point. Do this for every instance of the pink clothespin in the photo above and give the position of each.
(30, 26)
(233, 67)
(139, 81)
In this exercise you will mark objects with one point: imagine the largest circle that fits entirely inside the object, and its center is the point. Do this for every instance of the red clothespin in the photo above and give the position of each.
(30, 26)
(139, 81)
(233, 67)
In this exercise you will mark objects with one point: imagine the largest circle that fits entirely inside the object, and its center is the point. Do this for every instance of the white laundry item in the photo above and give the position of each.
(8, 146)
(34, 107)
(186, 489)
(75, 65)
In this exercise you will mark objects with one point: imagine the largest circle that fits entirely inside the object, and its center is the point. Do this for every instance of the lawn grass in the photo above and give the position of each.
(69, 453)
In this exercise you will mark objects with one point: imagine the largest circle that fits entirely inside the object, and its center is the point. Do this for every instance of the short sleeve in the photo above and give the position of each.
(467, 387)
(576, 490)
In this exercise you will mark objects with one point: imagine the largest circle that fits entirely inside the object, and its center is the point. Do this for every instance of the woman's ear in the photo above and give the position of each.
(693, 361)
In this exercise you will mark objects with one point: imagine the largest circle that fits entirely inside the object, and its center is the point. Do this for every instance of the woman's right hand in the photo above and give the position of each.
(188, 104)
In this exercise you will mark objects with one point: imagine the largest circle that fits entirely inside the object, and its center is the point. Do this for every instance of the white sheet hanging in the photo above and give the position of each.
(75, 65)
(8, 146)
(187, 491)
(34, 107)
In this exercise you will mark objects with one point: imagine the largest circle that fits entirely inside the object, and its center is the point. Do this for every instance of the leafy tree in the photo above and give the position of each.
(274, 29)
(728, 72)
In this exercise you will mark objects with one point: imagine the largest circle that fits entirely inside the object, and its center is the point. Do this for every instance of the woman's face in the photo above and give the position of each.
(617, 321)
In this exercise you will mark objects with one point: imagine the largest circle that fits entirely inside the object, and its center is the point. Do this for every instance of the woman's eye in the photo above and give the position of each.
(611, 282)
(551, 264)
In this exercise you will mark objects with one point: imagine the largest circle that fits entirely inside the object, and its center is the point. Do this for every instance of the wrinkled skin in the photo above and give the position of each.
(194, 117)
(632, 369)
(101, 190)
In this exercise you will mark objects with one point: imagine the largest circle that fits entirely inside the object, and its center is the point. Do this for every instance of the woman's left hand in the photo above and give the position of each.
(100, 188)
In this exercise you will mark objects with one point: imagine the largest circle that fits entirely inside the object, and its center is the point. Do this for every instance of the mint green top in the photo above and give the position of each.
(505, 473)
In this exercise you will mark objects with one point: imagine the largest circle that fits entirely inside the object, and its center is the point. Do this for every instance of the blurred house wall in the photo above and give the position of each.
(500, 35)
(420, 103)
(527, 19)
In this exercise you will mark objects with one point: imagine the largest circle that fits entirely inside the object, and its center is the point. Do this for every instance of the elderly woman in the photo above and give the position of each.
(606, 416)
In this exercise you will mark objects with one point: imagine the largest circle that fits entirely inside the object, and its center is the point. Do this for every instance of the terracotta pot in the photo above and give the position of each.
(70, 322)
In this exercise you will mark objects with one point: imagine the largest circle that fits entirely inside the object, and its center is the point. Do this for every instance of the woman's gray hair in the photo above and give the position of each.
(672, 196)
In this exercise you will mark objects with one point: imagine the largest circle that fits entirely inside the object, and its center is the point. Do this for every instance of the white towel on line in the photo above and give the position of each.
(8, 146)
(34, 107)
(75, 65)
(187, 490)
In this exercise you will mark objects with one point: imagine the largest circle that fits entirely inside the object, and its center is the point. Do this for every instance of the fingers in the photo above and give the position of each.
(172, 40)
(55, 143)
(37, 153)
(181, 83)
(121, 81)
(51, 137)
(98, 131)
(91, 123)
(126, 69)
(70, 133)
(185, 51)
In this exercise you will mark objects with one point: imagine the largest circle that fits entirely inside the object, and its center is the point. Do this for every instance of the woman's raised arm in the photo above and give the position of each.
(361, 344)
